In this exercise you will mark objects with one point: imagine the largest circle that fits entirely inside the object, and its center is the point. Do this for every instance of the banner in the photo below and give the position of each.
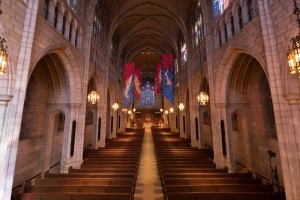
(157, 80)
(128, 85)
(167, 77)
(137, 82)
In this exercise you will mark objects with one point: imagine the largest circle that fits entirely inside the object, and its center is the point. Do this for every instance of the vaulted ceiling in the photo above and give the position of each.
(145, 29)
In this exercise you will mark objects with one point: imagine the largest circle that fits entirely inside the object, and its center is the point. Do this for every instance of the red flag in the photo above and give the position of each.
(167, 61)
(137, 82)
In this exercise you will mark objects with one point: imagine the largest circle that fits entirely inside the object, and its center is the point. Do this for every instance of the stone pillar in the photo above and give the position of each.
(115, 121)
(11, 130)
(73, 38)
(123, 121)
(193, 116)
(51, 11)
(67, 28)
(67, 159)
(201, 133)
(103, 114)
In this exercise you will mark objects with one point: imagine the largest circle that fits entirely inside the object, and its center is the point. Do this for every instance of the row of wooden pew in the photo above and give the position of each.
(106, 174)
(190, 174)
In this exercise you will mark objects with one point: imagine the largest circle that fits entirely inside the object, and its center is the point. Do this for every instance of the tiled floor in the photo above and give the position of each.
(148, 185)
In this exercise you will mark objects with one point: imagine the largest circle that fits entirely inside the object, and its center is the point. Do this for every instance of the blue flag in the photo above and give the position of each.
(167, 76)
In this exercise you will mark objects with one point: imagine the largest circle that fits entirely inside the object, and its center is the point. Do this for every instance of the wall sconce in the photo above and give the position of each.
(294, 53)
(3, 55)
(171, 110)
(181, 106)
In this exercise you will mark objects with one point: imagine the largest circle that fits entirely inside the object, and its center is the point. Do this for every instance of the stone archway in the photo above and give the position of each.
(251, 121)
(47, 92)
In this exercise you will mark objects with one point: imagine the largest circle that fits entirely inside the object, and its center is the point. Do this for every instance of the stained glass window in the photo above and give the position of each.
(147, 96)
(199, 25)
(219, 7)
(183, 53)
(97, 25)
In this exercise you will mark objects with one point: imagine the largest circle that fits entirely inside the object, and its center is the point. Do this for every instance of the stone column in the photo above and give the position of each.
(115, 121)
(69, 160)
(193, 116)
(11, 130)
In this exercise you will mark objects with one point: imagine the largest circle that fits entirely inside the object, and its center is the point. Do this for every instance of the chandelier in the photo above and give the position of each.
(294, 53)
(203, 98)
(181, 106)
(161, 110)
(124, 110)
(129, 112)
(115, 106)
(133, 109)
(171, 110)
(166, 112)
(3, 56)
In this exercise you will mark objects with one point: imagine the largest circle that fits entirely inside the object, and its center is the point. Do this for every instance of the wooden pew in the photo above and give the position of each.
(45, 196)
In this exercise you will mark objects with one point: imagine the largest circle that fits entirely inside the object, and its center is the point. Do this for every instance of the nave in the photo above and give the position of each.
(148, 163)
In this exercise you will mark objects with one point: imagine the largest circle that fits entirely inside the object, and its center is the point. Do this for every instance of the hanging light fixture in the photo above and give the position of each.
(161, 109)
(166, 112)
(203, 98)
(129, 112)
(3, 55)
(133, 109)
(294, 53)
(115, 106)
(124, 110)
(171, 110)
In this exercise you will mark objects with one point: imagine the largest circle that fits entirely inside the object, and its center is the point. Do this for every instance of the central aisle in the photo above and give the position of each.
(148, 186)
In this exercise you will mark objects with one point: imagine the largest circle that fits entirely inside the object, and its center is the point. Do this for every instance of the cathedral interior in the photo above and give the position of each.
(150, 99)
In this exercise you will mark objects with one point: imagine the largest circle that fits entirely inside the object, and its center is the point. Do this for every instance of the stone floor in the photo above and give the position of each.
(148, 185)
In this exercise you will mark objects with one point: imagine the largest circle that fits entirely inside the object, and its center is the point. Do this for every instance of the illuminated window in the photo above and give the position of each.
(97, 25)
(219, 7)
(183, 53)
(147, 94)
(199, 25)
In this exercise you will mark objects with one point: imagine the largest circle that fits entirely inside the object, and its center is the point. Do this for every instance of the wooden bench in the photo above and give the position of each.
(219, 188)
(220, 196)
(84, 181)
(44, 196)
(209, 181)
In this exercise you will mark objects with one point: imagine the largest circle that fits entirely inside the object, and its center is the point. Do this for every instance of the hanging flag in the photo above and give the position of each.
(167, 61)
(137, 82)
(167, 77)
(157, 80)
(128, 85)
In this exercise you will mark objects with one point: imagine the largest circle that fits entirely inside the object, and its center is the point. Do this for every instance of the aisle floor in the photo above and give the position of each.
(148, 185)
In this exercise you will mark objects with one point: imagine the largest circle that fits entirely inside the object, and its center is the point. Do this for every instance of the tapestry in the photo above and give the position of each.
(157, 80)
(128, 85)
(167, 77)
(137, 82)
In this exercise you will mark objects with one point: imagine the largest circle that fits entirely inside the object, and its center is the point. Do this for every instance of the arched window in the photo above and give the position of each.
(232, 24)
(240, 16)
(71, 31)
(199, 25)
(64, 24)
(219, 7)
(56, 12)
(225, 32)
(73, 5)
(147, 94)
(250, 10)
(46, 9)
(97, 25)
(234, 121)
(219, 38)
(77, 37)
(183, 53)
